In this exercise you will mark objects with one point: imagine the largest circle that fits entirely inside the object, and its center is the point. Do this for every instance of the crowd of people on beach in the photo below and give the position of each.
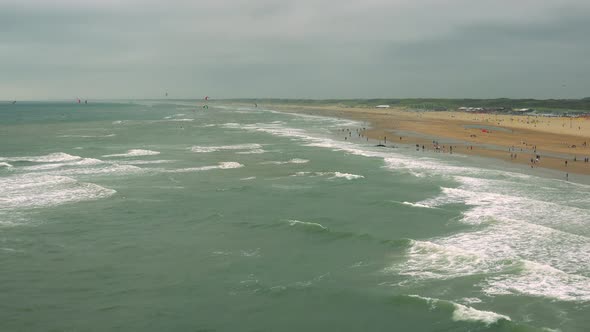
(436, 146)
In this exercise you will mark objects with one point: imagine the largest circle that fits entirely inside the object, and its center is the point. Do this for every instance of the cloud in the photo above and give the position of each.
(241, 48)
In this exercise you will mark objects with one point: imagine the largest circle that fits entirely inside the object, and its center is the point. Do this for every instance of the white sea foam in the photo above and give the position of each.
(248, 178)
(117, 122)
(519, 257)
(337, 122)
(4, 164)
(471, 300)
(222, 165)
(87, 136)
(181, 120)
(294, 222)
(134, 153)
(298, 161)
(428, 260)
(254, 151)
(76, 163)
(540, 280)
(250, 253)
(302, 173)
(331, 175)
(230, 164)
(144, 162)
(417, 205)
(101, 169)
(40, 190)
(292, 161)
(513, 234)
(50, 158)
(346, 176)
(464, 313)
(9, 250)
(206, 149)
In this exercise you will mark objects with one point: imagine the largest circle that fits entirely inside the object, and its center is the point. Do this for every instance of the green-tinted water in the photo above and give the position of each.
(158, 216)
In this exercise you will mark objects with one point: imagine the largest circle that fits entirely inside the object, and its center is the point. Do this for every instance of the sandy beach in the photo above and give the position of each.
(559, 143)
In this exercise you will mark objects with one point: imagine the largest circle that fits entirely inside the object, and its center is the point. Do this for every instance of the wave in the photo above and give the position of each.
(332, 175)
(309, 225)
(417, 205)
(545, 263)
(87, 136)
(254, 151)
(346, 176)
(144, 162)
(181, 120)
(134, 153)
(207, 149)
(291, 161)
(338, 122)
(49, 158)
(428, 260)
(540, 280)
(508, 201)
(49, 166)
(4, 164)
(102, 169)
(41, 190)
(461, 312)
(222, 165)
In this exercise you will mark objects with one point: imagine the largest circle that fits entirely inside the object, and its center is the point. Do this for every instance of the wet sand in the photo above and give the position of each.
(555, 139)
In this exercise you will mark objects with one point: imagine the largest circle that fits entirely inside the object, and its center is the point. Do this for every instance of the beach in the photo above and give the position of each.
(514, 138)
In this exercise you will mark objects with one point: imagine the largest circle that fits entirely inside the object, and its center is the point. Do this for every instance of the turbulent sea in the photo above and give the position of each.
(163, 216)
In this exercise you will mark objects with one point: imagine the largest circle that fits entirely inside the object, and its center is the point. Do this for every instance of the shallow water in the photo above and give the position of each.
(161, 216)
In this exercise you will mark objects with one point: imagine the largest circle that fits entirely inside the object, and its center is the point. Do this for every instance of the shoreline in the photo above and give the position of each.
(561, 144)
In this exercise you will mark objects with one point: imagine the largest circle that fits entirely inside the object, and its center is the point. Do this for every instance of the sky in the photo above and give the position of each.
(317, 49)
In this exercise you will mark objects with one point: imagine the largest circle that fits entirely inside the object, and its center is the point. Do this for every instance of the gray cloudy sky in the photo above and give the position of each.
(295, 49)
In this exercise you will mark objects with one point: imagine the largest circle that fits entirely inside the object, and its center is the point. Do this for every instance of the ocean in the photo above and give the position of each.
(164, 216)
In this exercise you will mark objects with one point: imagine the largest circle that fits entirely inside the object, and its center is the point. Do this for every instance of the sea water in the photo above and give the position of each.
(161, 215)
